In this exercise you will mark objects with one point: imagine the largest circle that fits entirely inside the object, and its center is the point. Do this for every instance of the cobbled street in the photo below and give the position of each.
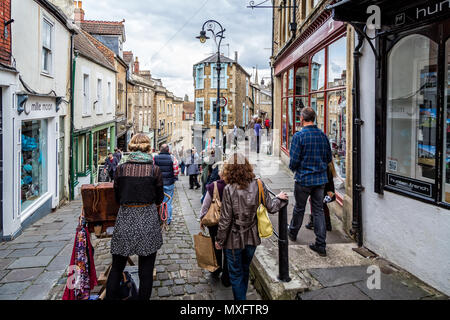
(34, 265)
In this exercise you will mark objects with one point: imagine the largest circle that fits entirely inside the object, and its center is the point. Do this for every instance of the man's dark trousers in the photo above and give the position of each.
(301, 197)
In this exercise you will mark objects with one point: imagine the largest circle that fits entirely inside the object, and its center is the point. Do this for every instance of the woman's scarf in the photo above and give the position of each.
(140, 157)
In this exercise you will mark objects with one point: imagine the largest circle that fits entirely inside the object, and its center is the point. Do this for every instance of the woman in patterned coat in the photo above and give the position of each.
(138, 186)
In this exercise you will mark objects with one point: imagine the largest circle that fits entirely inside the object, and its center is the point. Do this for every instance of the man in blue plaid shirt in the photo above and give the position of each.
(310, 155)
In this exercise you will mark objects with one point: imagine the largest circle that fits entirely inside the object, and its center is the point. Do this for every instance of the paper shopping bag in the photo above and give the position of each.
(204, 250)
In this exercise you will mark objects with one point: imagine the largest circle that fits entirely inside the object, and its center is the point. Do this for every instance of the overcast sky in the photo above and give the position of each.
(162, 34)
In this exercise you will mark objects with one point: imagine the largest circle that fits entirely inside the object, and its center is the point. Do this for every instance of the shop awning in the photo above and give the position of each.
(394, 13)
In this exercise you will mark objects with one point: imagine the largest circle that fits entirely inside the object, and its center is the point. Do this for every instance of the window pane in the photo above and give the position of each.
(336, 108)
(318, 103)
(318, 71)
(300, 103)
(337, 63)
(47, 35)
(283, 124)
(291, 82)
(301, 81)
(33, 162)
(412, 108)
(285, 83)
(290, 117)
(446, 196)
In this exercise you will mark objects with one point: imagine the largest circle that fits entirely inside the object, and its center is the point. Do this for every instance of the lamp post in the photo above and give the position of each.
(211, 26)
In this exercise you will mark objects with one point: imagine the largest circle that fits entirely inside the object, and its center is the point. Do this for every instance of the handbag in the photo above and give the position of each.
(128, 288)
(204, 251)
(265, 228)
(213, 215)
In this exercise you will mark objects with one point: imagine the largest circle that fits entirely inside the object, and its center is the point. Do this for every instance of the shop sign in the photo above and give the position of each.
(431, 10)
(38, 107)
(410, 185)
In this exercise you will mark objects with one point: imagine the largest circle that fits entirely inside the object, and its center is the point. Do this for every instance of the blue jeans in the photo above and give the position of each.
(169, 190)
(239, 270)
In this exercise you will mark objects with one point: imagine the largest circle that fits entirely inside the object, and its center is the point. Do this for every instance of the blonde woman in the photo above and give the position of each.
(329, 196)
(138, 186)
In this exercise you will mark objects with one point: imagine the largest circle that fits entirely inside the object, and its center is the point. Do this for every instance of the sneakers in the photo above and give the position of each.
(310, 226)
(321, 251)
(292, 238)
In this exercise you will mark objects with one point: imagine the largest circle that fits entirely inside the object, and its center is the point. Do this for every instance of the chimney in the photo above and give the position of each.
(136, 66)
(79, 12)
(236, 56)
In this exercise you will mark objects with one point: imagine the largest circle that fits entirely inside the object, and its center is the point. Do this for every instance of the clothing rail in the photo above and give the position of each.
(283, 241)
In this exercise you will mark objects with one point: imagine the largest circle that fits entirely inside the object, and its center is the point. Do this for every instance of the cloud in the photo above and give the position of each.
(162, 34)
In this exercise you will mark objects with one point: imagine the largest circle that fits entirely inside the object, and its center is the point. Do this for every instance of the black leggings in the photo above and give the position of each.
(146, 265)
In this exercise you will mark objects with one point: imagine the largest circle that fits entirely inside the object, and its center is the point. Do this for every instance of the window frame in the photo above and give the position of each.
(438, 32)
(46, 20)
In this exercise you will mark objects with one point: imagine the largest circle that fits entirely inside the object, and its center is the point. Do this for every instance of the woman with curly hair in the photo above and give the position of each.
(238, 229)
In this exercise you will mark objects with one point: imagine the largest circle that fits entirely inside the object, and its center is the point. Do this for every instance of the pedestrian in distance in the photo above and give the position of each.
(238, 229)
(117, 154)
(329, 197)
(310, 154)
(192, 163)
(111, 164)
(267, 125)
(258, 129)
(168, 164)
(209, 196)
(139, 189)
(207, 164)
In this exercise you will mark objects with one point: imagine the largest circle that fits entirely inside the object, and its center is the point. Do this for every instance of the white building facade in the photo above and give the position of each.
(35, 129)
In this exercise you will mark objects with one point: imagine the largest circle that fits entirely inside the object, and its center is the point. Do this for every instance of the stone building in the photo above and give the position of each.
(234, 87)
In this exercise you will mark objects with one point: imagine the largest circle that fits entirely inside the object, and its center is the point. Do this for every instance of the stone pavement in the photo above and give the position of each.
(177, 273)
(34, 262)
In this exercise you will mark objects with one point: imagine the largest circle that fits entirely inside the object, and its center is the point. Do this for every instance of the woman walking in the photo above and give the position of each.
(257, 130)
(220, 257)
(138, 186)
(192, 162)
(238, 229)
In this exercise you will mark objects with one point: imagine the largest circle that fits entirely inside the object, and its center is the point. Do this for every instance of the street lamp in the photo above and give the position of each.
(211, 26)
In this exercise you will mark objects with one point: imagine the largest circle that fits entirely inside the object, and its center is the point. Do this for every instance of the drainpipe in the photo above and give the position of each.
(73, 60)
(357, 188)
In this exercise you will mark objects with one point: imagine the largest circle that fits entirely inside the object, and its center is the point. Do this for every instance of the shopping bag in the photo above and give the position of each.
(204, 250)
(212, 216)
(265, 227)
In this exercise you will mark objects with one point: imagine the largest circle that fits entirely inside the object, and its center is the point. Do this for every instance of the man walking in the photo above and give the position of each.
(111, 164)
(117, 154)
(168, 165)
(310, 155)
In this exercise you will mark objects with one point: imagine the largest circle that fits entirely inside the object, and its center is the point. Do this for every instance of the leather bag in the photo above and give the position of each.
(99, 205)
(265, 228)
(213, 215)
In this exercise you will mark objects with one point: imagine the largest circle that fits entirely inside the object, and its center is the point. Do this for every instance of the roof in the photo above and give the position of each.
(189, 107)
(87, 49)
(213, 59)
(116, 28)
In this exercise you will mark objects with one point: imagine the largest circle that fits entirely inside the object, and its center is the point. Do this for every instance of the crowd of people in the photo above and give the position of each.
(144, 182)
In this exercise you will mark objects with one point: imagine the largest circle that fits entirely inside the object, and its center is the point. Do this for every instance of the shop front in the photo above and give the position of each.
(103, 142)
(404, 82)
(314, 73)
(34, 162)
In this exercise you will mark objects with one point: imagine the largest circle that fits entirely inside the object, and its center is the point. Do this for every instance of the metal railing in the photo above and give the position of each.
(283, 241)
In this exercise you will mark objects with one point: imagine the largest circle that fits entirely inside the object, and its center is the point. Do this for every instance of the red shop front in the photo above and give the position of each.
(313, 72)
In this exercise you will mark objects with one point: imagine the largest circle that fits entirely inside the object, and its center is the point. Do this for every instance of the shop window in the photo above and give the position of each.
(336, 118)
(446, 184)
(300, 103)
(284, 130)
(412, 108)
(301, 81)
(47, 46)
(337, 64)
(101, 142)
(318, 104)
(290, 120)
(291, 82)
(33, 161)
(318, 71)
